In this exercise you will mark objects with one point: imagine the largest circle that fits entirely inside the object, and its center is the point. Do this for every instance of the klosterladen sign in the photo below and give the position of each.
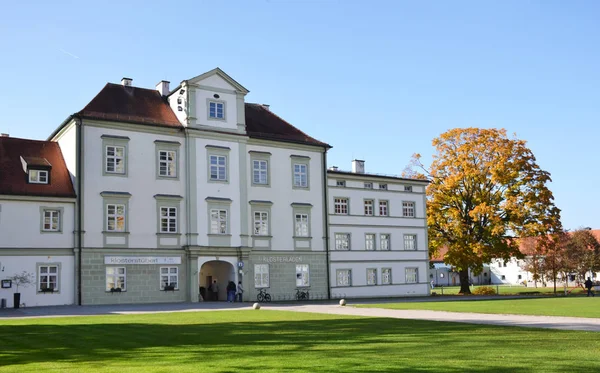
(142, 260)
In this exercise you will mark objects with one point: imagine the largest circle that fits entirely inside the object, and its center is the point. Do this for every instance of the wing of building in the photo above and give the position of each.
(180, 191)
(37, 211)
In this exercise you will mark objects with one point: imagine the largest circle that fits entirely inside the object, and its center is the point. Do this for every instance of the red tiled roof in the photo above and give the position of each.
(119, 103)
(43, 154)
(261, 123)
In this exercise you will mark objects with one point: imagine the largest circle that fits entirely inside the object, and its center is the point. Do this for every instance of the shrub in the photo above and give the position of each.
(484, 290)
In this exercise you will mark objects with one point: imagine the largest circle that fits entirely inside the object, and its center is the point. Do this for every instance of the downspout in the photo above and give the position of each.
(326, 222)
(188, 225)
(79, 233)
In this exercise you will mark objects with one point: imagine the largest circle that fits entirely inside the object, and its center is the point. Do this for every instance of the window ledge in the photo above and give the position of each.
(219, 234)
(302, 237)
(115, 232)
(168, 234)
(261, 236)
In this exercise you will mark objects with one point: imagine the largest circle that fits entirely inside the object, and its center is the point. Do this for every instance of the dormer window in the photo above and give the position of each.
(383, 186)
(38, 176)
(216, 110)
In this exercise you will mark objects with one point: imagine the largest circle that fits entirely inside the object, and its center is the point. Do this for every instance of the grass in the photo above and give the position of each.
(508, 290)
(276, 341)
(569, 306)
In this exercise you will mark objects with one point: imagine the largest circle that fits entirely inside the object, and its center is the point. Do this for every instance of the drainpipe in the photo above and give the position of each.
(79, 167)
(326, 222)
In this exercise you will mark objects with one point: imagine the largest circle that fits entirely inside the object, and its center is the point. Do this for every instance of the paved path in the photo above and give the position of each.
(548, 322)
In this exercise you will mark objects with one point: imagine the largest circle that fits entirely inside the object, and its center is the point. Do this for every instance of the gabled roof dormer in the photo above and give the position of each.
(212, 101)
(38, 169)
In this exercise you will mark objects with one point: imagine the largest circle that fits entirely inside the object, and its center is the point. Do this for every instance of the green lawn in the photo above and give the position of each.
(509, 290)
(272, 341)
(569, 306)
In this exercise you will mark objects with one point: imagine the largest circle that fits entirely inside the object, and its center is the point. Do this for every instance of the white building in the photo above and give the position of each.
(37, 202)
(182, 188)
(378, 234)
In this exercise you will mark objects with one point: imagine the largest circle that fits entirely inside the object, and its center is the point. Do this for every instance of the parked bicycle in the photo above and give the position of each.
(302, 294)
(263, 296)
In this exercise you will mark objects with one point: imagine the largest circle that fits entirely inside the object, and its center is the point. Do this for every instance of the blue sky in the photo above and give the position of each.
(378, 80)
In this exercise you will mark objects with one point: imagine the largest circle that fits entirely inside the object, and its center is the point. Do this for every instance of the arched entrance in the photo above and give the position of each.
(215, 270)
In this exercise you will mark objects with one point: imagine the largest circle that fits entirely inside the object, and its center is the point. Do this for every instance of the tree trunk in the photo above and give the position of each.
(463, 275)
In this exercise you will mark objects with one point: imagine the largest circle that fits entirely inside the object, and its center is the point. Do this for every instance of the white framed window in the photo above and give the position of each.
(368, 185)
(410, 242)
(300, 175)
(260, 174)
(383, 208)
(38, 177)
(408, 209)
(51, 221)
(412, 275)
(218, 221)
(369, 207)
(408, 188)
(301, 225)
(370, 241)
(343, 277)
(340, 206)
(116, 278)
(302, 275)
(216, 110)
(115, 217)
(115, 159)
(383, 186)
(168, 219)
(169, 276)
(371, 276)
(167, 163)
(342, 241)
(48, 277)
(218, 167)
(386, 276)
(340, 183)
(261, 223)
(261, 276)
(384, 241)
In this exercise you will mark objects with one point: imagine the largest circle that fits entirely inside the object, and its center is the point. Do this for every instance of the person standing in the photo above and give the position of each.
(588, 285)
(214, 290)
(231, 291)
(240, 291)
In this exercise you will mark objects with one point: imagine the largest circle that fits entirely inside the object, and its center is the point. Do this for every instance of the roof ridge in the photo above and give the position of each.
(24, 139)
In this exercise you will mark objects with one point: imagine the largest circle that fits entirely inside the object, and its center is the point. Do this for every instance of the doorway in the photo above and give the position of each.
(215, 271)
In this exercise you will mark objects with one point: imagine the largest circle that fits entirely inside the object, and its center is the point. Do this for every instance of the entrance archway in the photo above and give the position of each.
(215, 270)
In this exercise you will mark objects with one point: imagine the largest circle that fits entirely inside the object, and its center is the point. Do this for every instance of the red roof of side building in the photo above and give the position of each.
(16, 155)
(128, 104)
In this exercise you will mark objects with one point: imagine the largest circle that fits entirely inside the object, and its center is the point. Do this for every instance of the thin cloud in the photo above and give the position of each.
(70, 54)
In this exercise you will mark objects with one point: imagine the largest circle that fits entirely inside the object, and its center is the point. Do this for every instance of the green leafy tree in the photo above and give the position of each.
(485, 189)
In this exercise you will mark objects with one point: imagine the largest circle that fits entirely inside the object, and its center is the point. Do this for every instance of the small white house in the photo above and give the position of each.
(37, 201)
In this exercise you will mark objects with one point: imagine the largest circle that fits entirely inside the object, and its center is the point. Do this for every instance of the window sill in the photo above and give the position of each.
(219, 234)
(115, 232)
(164, 177)
(259, 236)
(168, 234)
(48, 292)
(115, 292)
(50, 232)
(302, 237)
(114, 174)
(261, 185)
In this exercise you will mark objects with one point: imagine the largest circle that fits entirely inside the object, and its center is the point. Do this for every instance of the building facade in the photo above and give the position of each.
(37, 213)
(175, 193)
(378, 234)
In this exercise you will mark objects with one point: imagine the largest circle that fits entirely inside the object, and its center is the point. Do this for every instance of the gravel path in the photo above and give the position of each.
(548, 322)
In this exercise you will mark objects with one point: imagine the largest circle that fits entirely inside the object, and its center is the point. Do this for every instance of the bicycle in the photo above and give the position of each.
(302, 295)
(263, 296)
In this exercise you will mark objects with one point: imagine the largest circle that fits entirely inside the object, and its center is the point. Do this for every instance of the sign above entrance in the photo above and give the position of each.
(142, 260)
(281, 259)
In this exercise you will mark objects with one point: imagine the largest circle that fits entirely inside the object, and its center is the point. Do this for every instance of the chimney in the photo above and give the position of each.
(4, 135)
(268, 107)
(163, 88)
(126, 82)
(333, 168)
(358, 166)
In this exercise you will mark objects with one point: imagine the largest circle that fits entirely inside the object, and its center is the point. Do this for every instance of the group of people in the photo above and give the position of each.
(233, 292)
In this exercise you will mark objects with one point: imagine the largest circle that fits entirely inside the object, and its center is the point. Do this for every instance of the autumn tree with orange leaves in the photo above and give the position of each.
(485, 190)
